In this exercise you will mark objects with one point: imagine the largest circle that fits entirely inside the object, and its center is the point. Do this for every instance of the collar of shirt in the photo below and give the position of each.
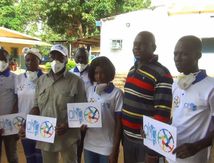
(39, 73)
(200, 76)
(108, 89)
(50, 74)
(153, 59)
(77, 70)
(5, 73)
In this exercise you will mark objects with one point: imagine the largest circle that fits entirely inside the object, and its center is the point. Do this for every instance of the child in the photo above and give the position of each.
(101, 145)
(193, 101)
(25, 90)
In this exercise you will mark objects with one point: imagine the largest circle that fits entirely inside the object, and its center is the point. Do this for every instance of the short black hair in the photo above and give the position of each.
(82, 50)
(106, 65)
(147, 34)
(194, 42)
(5, 53)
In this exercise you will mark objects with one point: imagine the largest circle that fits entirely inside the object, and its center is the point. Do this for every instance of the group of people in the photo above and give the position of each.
(149, 90)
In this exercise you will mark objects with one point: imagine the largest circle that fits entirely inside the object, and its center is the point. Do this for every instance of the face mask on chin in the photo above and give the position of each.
(185, 81)
(57, 66)
(81, 67)
(100, 88)
(3, 66)
(31, 75)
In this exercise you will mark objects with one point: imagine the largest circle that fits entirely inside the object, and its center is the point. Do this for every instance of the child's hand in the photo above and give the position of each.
(143, 135)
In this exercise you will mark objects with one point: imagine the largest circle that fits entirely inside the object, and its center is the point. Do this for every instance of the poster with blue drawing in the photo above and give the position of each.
(40, 128)
(160, 137)
(84, 113)
(11, 123)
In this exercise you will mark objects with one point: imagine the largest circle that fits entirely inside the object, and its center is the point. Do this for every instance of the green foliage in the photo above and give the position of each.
(71, 64)
(62, 19)
(47, 66)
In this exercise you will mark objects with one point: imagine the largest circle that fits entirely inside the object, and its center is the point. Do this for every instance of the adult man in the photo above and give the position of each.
(7, 101)
(81, 69)
(193, 101)
(147, 92)
(53, 91)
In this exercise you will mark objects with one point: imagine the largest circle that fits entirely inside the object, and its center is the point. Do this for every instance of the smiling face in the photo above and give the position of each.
(144, 46)
(186, 55)
(32, 62)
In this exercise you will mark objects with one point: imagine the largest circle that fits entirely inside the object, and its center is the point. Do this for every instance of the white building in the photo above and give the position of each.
(118, 33)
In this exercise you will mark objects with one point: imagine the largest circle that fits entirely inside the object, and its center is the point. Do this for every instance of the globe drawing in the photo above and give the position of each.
(91, 114)
(166, 140)
(46, 129)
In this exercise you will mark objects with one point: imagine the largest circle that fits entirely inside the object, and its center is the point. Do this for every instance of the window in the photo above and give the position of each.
(208, 45)
(116, 44)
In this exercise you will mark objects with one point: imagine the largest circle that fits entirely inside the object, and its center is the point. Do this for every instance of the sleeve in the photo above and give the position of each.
(118, 101)
(16, 84)
(36, 95)
(81, 93)
(211, 102)
(163, 98)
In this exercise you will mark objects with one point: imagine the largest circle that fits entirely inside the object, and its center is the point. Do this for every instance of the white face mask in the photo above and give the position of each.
(31, 75)
(185, 81)
(57, 66)
(3, 66)
(100, 88)
(81, 67)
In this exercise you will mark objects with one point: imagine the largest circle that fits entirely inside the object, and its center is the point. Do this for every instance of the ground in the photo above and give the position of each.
(22, 157)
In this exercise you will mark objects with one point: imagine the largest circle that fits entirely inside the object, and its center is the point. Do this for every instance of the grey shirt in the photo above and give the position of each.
(7, 93)
(52, 97)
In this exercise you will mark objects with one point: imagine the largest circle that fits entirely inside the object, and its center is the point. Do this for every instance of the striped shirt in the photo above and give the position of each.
(147, 92)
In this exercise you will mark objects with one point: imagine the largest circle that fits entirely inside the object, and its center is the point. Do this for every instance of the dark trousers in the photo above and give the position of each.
(133, 150)
(32, 154)
(10, 144)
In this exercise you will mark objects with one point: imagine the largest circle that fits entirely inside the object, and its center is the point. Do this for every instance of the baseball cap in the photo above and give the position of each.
(33, 51)
(60, 48)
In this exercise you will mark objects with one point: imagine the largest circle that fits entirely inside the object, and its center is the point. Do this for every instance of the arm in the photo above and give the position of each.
(163, 98)
(117, 137)
(15, 106)
(190, 149)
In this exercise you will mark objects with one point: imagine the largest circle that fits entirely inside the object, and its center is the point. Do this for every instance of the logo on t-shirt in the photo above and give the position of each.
(190, 106)
(176, 101)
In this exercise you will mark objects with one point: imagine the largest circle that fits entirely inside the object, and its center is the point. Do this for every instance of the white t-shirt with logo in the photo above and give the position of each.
(83, 75)
(25, 90)
(100, 140)
(192, 112)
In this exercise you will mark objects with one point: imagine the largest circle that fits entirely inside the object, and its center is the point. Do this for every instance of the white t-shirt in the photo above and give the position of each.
(7, 95)
(100, 140)
(192, 112)
(83, 75)
(25, 90)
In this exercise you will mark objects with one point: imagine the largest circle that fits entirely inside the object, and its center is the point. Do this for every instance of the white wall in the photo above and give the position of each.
(167, 30)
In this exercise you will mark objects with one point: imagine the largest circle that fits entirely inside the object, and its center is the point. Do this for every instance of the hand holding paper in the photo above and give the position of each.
(22, 132)
(185, 150)
(61, 128)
